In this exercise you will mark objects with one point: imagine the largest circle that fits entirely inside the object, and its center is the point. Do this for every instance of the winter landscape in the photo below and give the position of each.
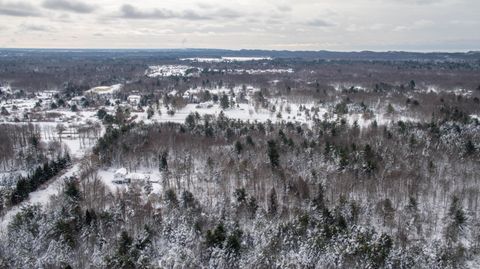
(236, 158)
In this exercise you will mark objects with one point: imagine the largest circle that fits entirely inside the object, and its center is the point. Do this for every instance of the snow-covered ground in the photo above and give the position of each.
(77, 145)
(304, 113)
(262, 71)
(40, 196)
(242, 112)
(226, 59)
(111, 179)
(436, 90)
(278, 109)
(169, 70)
(105, 89)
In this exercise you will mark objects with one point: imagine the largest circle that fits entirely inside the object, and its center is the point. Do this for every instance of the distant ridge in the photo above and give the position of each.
(191, 52)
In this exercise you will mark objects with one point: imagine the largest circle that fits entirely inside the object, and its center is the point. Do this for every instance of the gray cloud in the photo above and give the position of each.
(204, 5)
(131, 12)
(68, 5)
(191, 15)
(320, 23)
(18, 9)
(63, 18)
(219, 11)
(227, 13)
(284, 8)
(269, 24)
(34, 28)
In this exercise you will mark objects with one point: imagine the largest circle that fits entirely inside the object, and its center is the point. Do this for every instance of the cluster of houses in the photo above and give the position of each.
(105, 93)
(39, 104)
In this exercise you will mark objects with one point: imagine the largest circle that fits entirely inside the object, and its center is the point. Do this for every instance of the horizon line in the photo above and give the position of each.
(250, 49)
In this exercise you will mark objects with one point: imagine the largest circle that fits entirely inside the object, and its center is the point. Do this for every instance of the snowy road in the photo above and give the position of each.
(42, 195)
(54, 186)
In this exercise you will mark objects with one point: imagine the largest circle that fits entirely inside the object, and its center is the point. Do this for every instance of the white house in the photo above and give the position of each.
(130, 177)
(134, 100)
(119, 176)
(120, 173)
(77, 100)
(122, 176)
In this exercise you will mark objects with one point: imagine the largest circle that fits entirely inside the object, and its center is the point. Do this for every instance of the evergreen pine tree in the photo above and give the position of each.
(319, 200)
(469, 148)
(224, 103)
(272, 203)
(238, 147)
(163, 166)
(273, 153)
(71, 189)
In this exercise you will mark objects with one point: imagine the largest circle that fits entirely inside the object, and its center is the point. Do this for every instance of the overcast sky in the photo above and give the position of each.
(416, 25)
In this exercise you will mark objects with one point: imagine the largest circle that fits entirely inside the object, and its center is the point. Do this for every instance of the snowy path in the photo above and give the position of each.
(54, 186)
(41, 196)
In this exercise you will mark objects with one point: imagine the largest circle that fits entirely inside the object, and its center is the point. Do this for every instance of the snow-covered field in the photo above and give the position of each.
(185, 70)
(226, 59)
(287, 111)
(170, 70)
(262, 71)
(105, 89)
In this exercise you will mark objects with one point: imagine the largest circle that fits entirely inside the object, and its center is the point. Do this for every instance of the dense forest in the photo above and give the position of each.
(249, 194)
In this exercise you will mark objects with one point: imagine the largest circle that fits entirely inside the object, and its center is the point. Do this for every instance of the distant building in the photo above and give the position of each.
(173, 93)
(131, 177)
(121, 176)
(77, 100)
(134, 100)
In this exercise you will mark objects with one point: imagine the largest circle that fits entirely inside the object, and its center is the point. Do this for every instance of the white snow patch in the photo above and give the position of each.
(105, 89)
(226, 59)
(170, 70)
